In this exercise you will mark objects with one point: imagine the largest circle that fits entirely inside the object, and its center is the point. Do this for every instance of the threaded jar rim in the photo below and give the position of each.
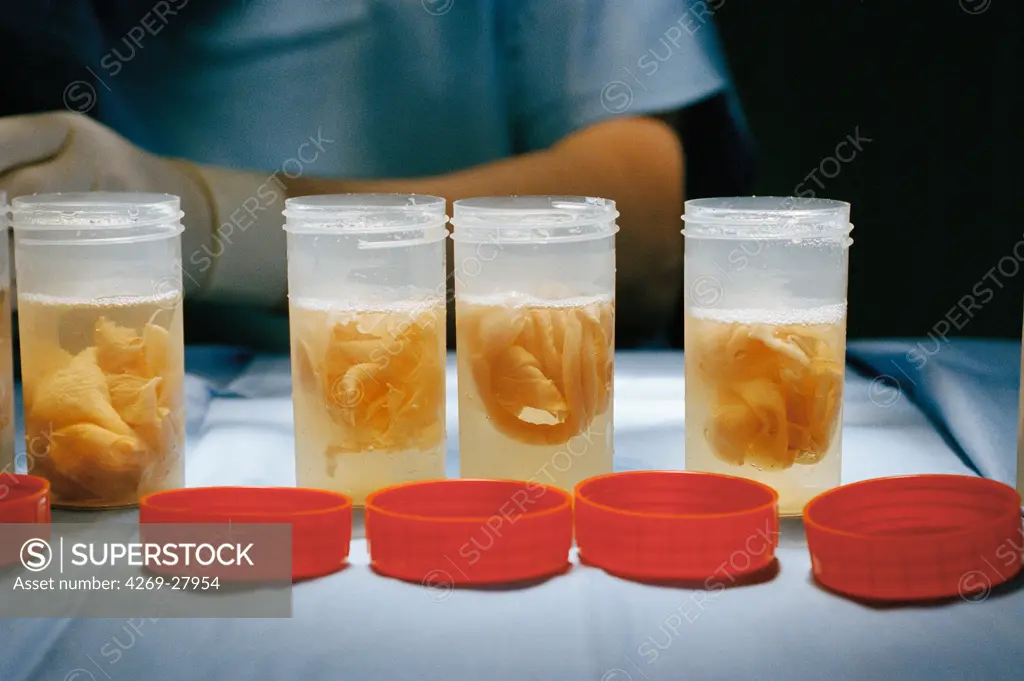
(533, 219)
(95, 217)
(420, 217)
(766, 217)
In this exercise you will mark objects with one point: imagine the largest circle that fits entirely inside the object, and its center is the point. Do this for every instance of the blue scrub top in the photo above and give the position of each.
(400, 87)
(389, 88)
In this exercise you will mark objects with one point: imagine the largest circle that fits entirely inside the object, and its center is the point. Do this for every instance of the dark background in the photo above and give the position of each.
(937, 192)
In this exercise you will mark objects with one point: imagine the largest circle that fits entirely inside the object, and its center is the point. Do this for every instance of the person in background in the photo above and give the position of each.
(237, 105)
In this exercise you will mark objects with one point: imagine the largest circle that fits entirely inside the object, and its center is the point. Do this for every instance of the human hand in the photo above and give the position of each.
(69, 152)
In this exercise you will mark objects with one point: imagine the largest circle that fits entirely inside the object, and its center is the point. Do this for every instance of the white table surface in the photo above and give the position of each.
(582, 626)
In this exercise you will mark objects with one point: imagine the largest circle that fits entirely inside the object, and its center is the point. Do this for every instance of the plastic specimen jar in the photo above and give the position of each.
(535, 311)
(99, 305)
(765, 341)
(1020, 426)
(6, 356)
(366, 288)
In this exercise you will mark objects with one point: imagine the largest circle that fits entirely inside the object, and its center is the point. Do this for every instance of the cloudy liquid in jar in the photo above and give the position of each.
(368, 395)
(764, 398)
(7, 448)
(535, 388)
(103, 384)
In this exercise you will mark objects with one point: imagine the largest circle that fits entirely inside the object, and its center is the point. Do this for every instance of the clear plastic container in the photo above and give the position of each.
(7, 451)
(535, 312)
(102, 354)
(765, 341)
(1020, 425)
(366, 289)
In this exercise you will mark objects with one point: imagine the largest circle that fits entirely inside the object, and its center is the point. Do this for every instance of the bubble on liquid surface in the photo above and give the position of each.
(517, 300)
(825, 314)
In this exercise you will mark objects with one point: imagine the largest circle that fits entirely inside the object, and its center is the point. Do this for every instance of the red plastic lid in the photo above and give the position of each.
(24, 514)
(321, 521)
(24, 499)
(676, 525)
(917, 537)
(444, 533)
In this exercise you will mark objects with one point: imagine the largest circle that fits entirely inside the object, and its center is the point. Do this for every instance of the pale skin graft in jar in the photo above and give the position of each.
(543, 373)
(106, 423)
(774, 391)
(377, 374)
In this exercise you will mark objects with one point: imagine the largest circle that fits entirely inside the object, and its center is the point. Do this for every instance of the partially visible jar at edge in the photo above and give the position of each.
(102, 350)
(1020, 425)
(765, 341)
(7, 426)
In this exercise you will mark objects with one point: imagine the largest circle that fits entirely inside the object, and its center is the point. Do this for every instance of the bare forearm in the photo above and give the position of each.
(636, 162)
